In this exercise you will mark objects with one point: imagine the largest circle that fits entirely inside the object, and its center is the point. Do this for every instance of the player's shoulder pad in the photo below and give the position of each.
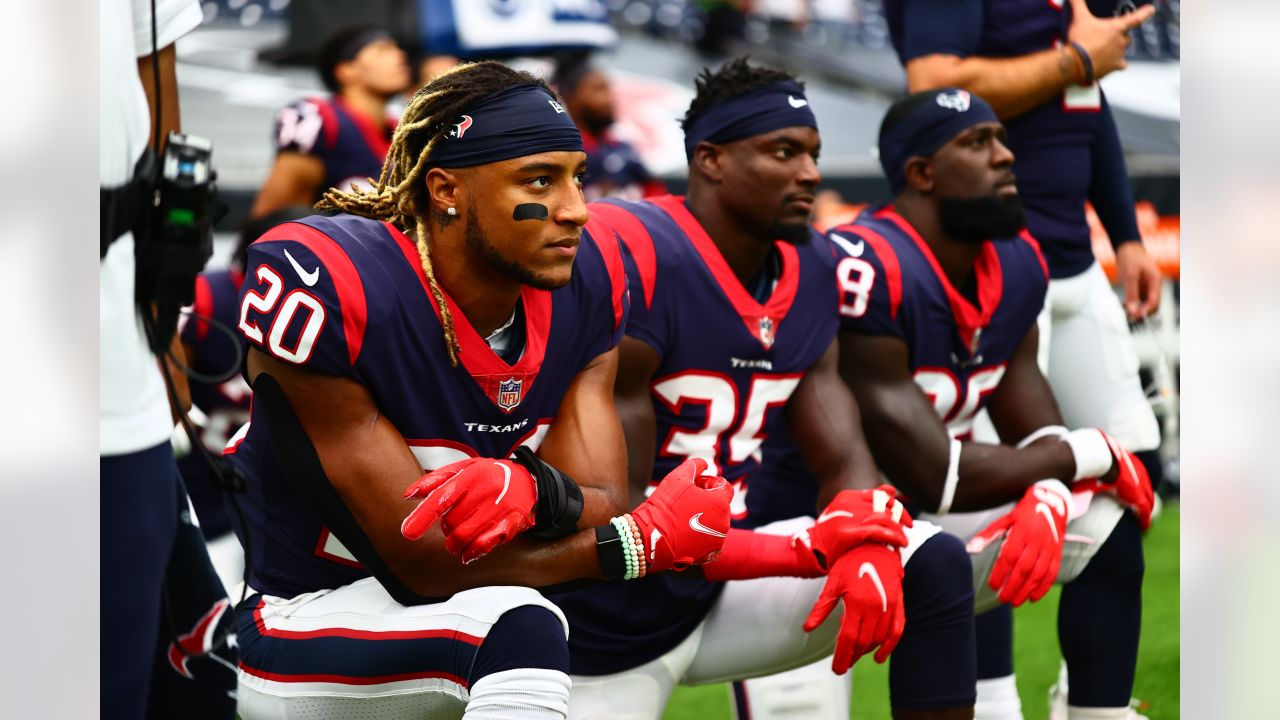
(307, 126)
(604, 239)
(856, 240)
(302, 292)
(621, 216)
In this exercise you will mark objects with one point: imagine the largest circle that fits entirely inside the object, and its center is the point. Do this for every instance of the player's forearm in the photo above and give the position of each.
(528, 562)
(1012, 86)
(992, 475)
(982, 476)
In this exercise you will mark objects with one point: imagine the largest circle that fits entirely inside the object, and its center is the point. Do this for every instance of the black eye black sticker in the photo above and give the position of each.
(531, 211)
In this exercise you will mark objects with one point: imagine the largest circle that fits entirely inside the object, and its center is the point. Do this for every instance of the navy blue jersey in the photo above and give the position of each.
(890, 283)
(346, 296)
(614, 169)
(729, 363)
(215, 350)
(1067, 150)
(350, 143)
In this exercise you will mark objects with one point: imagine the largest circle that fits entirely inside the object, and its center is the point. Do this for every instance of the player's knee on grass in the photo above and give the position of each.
(933, 666)
(1099, 620)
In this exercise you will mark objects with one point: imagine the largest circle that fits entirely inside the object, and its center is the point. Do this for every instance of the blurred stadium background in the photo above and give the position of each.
(252, 57)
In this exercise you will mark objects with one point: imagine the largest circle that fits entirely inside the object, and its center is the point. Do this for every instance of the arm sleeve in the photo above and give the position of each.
(1109, 189)
(174, 18)
(300, 308)
(940, 27)
(866, 284)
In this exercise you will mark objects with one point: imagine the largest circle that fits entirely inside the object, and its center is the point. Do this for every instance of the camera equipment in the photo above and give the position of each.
(178, 238)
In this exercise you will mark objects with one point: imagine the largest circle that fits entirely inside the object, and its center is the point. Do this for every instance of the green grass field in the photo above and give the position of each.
(1035, 648)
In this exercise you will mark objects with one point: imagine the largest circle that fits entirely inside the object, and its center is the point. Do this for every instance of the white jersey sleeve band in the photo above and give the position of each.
(1092, 454)
(953, 479)
(1057, 431)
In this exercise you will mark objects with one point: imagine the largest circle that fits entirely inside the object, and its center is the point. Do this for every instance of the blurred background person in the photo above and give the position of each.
(614, 168)
(343, 139)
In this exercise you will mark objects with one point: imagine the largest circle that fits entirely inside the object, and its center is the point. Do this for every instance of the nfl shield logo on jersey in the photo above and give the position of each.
(766, 332)
(509, 393)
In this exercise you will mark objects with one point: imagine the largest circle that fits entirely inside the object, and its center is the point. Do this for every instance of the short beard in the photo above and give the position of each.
(479, 244)
(975, 220)
(791, 233)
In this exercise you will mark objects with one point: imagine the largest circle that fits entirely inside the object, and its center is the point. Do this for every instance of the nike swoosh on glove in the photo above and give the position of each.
(481, 503)
(1131, 485)
(868, 578)
(686, 519)
(854, 517)
(1033, 531)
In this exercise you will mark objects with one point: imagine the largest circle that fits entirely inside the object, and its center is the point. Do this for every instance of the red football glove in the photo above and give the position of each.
(858, 516)
(480, 502)
(869, 580)
(1034, 530)
(1131, 483)
(686, 519)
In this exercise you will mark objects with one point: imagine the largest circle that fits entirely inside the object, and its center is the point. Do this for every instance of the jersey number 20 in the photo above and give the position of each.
(265, 302)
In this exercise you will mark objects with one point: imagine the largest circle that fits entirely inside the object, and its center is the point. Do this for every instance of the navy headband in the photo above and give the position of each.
(925, 122)
(521, 120)
(762, 110)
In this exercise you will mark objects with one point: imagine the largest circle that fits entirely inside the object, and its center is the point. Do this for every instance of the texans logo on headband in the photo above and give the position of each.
(460, 129)
(516, 123)
(957, 100)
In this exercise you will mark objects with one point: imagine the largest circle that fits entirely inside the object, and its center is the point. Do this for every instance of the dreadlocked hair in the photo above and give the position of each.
(400, 196)
(734, 78)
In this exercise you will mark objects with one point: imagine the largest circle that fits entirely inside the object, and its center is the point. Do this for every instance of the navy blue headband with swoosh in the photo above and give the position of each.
(762, 110)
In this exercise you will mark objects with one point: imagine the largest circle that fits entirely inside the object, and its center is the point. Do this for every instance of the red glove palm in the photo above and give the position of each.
(854, 517)
(481, 503)
(1033, 532)
(1131, 484)
(686, 519)
(869, 580)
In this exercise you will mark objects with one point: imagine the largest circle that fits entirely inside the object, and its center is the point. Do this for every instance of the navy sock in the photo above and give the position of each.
(995, 643)
(938, 595)
(526, 637)
(1099, 620)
